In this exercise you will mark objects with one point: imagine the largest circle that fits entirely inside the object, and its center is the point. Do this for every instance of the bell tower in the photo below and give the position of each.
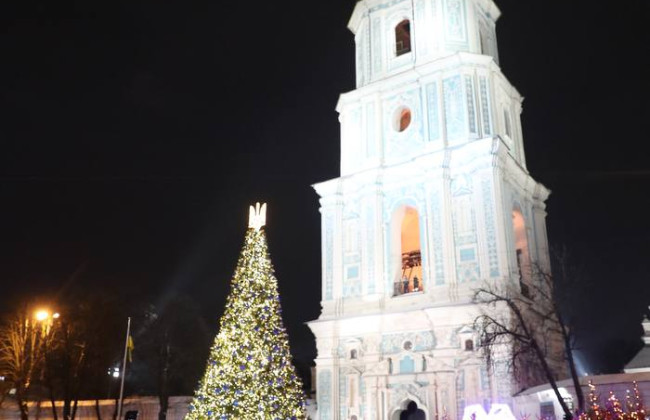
(434, 198)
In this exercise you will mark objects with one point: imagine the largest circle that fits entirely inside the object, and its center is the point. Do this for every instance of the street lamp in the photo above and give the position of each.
(46, 319)
(41, 315)
(114, 372)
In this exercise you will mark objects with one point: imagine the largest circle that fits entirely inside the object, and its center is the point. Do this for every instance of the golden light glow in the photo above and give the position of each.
(410, 230)
(42, 315)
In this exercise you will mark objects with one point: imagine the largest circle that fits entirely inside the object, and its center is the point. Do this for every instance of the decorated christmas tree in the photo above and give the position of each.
(249, 373)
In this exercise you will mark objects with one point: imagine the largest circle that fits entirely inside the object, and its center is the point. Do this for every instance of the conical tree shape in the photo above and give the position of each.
(250, 374)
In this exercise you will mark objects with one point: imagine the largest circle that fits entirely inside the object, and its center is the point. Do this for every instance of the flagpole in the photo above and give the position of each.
(126, 349)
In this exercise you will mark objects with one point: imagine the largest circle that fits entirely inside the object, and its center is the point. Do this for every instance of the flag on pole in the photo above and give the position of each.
(130, 347)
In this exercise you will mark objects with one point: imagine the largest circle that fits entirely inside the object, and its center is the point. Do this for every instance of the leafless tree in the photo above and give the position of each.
(526, 320)
(23, 344)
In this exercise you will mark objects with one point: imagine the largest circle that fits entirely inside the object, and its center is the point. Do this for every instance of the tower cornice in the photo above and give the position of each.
(430, 71)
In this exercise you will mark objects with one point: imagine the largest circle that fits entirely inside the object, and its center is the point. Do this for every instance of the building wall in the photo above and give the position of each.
(435, 130)
(147, 408)
(531, 401)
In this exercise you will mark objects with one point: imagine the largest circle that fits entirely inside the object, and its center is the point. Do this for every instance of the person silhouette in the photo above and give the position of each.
(412, 412)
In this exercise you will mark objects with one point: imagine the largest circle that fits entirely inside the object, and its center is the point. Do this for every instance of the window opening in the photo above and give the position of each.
(521, 251)
(401, 119)
(409, 254)
(506, 118)
(404, 120)
(483, 38)
(469, 345)
(353, 354)
(403, 37)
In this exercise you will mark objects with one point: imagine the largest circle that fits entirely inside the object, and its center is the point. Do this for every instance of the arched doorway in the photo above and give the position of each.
(409, 410)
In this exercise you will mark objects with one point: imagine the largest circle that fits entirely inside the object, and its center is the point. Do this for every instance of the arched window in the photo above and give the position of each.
(521, 250)
(469, 345)
(403, 37)
(407, 255)
(353, 354)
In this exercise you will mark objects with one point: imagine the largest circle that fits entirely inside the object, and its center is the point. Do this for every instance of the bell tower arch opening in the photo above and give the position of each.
(407, 251)
(403, 38)
(522, 254)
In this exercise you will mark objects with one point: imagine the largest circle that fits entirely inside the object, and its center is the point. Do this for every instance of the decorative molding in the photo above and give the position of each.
(471, 105)
(485, 107)
(422, 341)
(455, 23)
(329, 256)
(490, 225)
(438, 238)
(454, 107)
(433, 113)
(324, 394)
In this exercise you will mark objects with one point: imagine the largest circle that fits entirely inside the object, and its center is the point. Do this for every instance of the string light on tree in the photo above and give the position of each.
(250, 374)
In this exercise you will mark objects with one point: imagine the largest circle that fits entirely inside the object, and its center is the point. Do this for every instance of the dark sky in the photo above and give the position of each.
(135, 133)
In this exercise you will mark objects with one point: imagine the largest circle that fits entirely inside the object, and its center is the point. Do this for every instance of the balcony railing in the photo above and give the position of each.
(409, 282)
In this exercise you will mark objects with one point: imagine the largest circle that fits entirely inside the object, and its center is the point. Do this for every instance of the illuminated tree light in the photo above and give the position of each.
(249, 373)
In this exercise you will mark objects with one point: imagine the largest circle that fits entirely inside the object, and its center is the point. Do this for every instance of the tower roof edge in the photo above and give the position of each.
(491, 9)
(357, 14)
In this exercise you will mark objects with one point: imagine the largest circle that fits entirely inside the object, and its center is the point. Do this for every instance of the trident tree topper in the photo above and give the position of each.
(257, 216)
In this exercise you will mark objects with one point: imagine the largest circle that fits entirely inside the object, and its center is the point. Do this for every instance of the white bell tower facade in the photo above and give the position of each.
(434, 198)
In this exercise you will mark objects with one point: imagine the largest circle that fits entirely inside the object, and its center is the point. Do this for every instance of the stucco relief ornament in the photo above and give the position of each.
(257, 216)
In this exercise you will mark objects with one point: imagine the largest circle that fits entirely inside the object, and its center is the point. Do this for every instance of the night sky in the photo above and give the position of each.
(136, 133)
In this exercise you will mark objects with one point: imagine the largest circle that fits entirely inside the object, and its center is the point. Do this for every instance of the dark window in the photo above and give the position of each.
(524, 287)
(353, 354)
(469, 345)
(403, 37)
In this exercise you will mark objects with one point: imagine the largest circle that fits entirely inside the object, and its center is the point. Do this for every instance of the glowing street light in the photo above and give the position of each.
(46, 319)
(114, 372)
(42, 315)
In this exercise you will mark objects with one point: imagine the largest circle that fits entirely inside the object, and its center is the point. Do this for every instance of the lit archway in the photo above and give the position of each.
(522, 254)
(407, 251)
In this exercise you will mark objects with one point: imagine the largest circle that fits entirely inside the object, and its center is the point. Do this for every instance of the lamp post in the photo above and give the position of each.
(44, 336)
